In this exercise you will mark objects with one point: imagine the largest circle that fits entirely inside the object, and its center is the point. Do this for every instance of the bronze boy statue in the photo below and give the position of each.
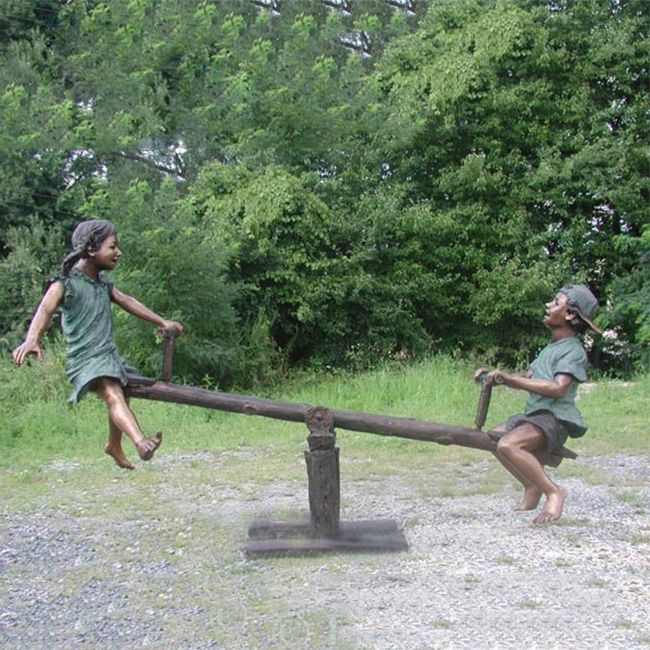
(550, 414)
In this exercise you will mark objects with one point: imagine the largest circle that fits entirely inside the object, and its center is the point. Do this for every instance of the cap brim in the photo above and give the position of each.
(591, 325)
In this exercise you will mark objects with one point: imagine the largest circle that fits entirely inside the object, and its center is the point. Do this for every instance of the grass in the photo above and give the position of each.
(571, 522)
(443, 624)
(618, 416)
(597, 584)
(633, 500)
(529, 604)
(472, 578)
(38, 427)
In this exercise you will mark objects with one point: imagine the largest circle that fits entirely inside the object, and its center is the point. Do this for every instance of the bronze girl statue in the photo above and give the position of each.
(83, 295)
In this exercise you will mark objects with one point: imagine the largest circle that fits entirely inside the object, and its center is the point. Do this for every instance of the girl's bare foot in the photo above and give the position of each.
(552, 510)
(148, 446)
(530, 500)
(118, 455)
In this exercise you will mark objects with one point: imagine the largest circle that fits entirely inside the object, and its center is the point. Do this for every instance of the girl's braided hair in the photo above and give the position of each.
(87, 236)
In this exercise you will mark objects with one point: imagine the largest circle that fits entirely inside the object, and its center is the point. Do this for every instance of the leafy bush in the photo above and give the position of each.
(34, 381)
(172, 266)
(627, 347)
(35, 253)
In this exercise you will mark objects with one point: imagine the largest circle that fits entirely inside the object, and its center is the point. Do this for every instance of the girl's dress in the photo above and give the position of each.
(88, 329)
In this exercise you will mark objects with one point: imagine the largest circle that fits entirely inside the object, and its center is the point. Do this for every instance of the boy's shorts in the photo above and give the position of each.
(554, 431)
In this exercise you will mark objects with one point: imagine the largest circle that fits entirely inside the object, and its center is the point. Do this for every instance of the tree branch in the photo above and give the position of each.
(167, 169)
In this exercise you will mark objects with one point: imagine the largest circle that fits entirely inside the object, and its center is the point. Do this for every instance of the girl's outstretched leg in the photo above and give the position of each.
(113, 446)
(123, 419)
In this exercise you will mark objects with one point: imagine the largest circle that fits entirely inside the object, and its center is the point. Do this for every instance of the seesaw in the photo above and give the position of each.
(324, 532)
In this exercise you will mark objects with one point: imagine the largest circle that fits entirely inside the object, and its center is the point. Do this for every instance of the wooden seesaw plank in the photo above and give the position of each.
(400, 427)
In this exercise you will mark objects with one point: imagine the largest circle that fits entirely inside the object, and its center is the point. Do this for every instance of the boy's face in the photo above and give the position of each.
(557, 312)
(107, 254)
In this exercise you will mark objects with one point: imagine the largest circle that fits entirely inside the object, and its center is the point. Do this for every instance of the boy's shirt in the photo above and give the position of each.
(565, 356)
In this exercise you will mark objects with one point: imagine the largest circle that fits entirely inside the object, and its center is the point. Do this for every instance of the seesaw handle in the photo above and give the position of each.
(484, 399)
(169, 337)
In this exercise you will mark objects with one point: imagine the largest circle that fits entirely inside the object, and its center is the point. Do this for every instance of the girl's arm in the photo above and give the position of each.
(40, 323)
(554, 388)
(135, 307)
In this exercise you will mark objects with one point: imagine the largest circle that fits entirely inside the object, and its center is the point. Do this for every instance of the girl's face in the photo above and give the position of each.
(106, 256)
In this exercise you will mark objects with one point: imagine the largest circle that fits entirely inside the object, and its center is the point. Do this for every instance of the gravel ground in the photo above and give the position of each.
(157, 561)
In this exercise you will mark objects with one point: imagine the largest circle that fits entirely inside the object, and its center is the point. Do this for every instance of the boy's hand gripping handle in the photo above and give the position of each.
(169, 337)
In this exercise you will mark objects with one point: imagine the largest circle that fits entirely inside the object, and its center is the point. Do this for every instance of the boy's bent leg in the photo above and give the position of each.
(532, 494)
(530, 500)
(121, 416)
(518, 448)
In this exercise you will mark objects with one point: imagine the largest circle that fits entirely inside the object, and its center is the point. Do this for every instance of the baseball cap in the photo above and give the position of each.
(583, 302)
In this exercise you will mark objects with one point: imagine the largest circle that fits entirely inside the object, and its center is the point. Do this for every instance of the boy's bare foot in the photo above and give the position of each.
(148, 446)
(530, 500)
(118, 455)
(552, 510)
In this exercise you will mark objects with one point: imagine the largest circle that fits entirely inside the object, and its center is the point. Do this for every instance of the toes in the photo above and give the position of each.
(546, 517)
(149, 446)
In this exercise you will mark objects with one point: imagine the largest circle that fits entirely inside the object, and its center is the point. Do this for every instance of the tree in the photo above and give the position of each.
(526, 120)
(371, 178)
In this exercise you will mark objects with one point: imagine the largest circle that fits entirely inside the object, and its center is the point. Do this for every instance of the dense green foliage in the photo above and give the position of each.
(303, 184)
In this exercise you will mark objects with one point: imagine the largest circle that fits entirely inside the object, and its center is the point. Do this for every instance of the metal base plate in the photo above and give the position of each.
(269, 538)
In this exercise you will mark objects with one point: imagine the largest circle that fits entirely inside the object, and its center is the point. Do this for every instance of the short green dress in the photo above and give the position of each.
(88, 329)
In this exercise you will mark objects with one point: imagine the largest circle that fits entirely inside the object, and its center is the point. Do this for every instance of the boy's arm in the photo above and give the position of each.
(39, 324)
(554, 388)
(135, 307)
